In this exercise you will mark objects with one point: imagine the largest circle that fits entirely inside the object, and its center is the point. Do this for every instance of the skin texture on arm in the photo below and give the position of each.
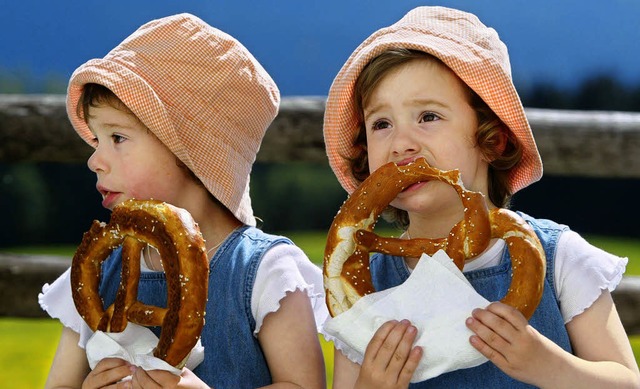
(69, 366)
(603, 357)
(345, 372)
(389, 360)
(289, 340)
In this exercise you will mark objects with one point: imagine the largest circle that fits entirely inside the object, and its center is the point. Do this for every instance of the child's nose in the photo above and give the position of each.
(96, 162)
(404, 141)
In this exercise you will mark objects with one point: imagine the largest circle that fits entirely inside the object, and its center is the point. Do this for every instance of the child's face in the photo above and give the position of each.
(421, 109)
(131, 162)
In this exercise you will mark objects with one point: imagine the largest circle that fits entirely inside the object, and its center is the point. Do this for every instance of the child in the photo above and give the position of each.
(437, 84)
(176, 113)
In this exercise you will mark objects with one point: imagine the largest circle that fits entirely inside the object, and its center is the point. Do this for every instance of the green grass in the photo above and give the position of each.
(624, 247)
(61, 250)
(28, 345)
(313, 242)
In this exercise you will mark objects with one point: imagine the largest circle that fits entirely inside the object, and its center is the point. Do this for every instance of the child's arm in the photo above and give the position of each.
(70, 368)
(345, 372)
(289, 339)
(603, 356)
(389, 360)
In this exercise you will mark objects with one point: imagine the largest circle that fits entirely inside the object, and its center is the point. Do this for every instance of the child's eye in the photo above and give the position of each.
(380, 125)
(428, 117)
(117, 138)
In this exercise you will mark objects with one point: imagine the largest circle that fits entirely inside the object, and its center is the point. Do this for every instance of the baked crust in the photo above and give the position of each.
(176, 236)
(350, 239)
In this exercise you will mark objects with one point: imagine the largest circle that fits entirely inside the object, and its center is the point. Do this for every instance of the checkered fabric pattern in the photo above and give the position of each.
(471, 49)
(199, 91)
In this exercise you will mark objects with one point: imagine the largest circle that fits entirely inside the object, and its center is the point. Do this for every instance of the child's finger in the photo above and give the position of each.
(486, 334)
(163, 378)
(388, 349)
(490, 353)
(404, 378)
(378, 340)
(142, 379)
(399, 358)
(109, 371)
(492, 323)
(110, 363)
(508, 313)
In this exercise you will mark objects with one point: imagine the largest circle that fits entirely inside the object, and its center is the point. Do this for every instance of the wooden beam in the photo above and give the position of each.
(22, 277)
(587, 143)
(35, 128)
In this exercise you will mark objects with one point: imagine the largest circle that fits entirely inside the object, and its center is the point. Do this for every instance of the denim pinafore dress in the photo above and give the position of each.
(492, 283)
(233, 356)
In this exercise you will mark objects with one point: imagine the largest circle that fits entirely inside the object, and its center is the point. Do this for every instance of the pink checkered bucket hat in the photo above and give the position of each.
(199, 91)
(471, 49)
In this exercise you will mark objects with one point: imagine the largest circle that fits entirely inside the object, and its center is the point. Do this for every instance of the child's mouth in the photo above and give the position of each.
(414, 187)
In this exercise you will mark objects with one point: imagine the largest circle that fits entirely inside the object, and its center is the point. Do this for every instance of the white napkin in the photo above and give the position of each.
(135, 345)
(436, 298)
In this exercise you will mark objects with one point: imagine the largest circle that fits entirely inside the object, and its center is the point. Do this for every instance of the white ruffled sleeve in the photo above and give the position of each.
(583, 271)
(56, 300)
(286, 268)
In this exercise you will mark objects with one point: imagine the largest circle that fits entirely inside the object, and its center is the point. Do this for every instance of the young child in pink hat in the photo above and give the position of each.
(437, 84)
(177, 112)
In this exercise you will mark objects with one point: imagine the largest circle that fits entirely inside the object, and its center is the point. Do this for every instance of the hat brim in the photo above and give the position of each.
(488, 74)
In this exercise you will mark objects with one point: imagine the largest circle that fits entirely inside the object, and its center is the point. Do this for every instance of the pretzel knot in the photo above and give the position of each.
(177, 237)
(351, 238)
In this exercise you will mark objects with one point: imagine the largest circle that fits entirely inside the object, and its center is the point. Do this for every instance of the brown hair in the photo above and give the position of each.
(496, 142)
(94, 95)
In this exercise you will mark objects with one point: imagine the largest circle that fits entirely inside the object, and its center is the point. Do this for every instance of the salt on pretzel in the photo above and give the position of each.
(350, 238)
(176, 236)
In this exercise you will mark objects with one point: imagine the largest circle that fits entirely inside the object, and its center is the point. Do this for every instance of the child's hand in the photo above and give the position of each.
(164, 379)
(390, 360)
(107, 372)
(503, 335)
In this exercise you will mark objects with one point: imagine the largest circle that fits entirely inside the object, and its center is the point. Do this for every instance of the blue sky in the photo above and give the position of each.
(303, 44)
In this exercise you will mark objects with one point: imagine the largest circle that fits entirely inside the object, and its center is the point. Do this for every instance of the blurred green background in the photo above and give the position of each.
(54, 203)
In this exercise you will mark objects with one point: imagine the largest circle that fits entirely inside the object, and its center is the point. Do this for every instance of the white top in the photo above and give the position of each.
(582, 271)
(284, 268)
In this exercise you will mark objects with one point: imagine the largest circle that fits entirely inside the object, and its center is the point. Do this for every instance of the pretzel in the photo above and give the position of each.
(350, 238)
(176, 236)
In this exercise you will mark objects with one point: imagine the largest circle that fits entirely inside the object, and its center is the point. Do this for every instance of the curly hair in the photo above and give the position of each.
(496, 142)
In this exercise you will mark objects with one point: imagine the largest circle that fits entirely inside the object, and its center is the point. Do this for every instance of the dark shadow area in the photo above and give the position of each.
(603, 206)
(47, 203)
(50, 203)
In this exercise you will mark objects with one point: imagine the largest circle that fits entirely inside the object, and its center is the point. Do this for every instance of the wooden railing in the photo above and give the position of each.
(572, 143)
(35, 128)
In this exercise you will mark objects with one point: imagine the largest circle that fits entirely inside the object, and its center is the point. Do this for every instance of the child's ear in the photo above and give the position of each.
(501, 141)
(495, 145)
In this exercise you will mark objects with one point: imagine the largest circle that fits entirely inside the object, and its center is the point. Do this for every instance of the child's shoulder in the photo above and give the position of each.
(255, 233)
(542, 223)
